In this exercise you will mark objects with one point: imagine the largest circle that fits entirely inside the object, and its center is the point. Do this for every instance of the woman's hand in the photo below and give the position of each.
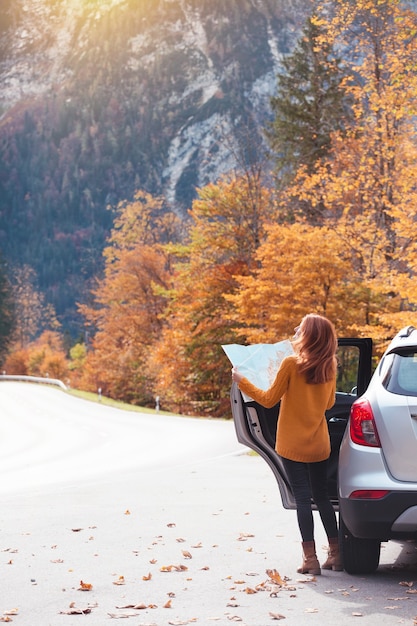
(236, 375)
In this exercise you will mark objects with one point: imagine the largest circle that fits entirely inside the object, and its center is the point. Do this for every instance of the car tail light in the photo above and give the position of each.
(362, 424)
(368, 494)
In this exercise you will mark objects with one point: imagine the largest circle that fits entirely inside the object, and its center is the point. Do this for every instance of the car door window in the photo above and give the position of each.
(347, 371)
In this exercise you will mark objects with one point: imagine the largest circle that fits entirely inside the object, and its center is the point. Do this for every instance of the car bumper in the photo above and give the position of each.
(393, 515)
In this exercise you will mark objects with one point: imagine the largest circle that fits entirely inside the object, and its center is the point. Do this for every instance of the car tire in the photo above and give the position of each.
(359, 556)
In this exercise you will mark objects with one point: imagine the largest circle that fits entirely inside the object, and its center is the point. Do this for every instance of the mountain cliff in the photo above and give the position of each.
(103, 97)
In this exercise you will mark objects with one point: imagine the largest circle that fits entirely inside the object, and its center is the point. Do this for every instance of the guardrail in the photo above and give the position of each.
(34, 379)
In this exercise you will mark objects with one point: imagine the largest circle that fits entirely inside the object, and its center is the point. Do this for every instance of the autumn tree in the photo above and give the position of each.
(367, 183)
(6, 311)
(32, 313)
(44, 357)
(227, 226)
(128, 301)
(301, 269)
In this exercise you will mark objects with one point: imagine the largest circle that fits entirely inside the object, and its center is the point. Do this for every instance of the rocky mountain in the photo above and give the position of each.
(102, 97)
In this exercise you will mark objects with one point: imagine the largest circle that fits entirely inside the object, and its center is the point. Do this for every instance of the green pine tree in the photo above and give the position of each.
(309, 105)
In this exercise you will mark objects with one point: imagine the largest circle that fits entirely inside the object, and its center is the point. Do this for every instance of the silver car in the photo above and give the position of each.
(373, 431)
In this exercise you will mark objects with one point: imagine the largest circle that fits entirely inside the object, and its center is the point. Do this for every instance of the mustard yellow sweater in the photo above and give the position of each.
(302, 432)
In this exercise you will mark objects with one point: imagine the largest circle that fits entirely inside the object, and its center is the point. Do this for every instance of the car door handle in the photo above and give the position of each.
(414, 416)
(337, 420)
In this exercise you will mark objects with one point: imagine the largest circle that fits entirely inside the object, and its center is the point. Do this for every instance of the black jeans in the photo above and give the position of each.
(309, 480)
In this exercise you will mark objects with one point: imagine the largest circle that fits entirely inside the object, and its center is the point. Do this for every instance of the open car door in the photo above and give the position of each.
(256, 426)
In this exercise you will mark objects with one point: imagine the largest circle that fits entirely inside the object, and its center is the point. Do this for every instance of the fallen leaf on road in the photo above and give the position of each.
(167, 604)
(356, 614)
(85, 586)
(119, 581)
(244, 536)
(173, 568)
(171, 525)
(148, 577)
(186, 554)
(76, 530)
(75, 611)
(311, 610)
(198, 545)
(249, 590)
(127, 512)
(275, 576)
(406, 584)
(137, 607)
(276, 616)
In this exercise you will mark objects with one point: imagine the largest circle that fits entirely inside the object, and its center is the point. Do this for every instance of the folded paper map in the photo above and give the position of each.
(259, 362)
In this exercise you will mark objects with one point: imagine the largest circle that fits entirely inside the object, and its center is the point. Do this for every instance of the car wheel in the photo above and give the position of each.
(359, 556)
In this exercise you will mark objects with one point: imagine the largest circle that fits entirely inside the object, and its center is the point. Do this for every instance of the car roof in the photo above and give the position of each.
(406, 338)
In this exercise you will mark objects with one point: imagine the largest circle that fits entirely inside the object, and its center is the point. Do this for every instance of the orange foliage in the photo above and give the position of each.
(189, 367)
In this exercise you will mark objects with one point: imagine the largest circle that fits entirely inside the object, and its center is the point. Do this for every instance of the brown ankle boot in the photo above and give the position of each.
(334, 559)
(310, 563)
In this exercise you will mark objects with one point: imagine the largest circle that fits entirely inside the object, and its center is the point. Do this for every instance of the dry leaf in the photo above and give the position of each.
(276, 616)
(127, 512)
(198, 545)
(406, 584)
(11, 612)
(186, 554)
(311, 611)
(171, 525)
(356, 614)
(137, 607)
(167, 604)
(249, 590)
(76, 530)
(148, 577)
(180, 540)
(244, 536)
(119, 581)
(85, 586)
(275, 576)
(75, 611)
(6, 619)
(173, 568)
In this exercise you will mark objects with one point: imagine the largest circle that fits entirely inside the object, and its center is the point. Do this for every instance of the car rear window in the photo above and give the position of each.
(401, 376)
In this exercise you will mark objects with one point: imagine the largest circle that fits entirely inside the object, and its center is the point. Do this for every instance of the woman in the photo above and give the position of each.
(306, 386)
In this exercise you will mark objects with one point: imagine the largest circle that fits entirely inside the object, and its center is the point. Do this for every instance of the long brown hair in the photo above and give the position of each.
(316, 344)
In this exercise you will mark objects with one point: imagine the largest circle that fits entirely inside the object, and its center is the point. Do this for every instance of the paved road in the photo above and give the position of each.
(165, 513)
